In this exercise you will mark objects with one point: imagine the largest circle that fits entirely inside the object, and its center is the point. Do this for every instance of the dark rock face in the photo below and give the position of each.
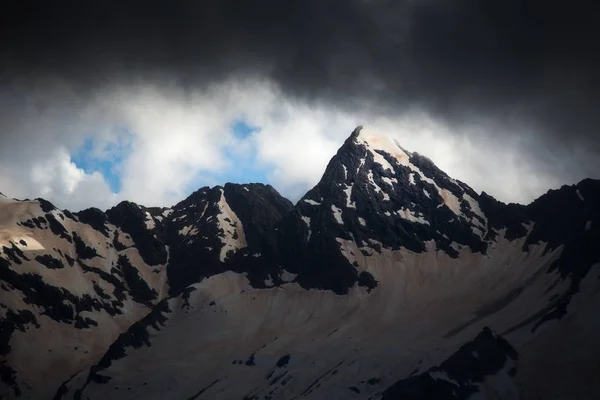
(139, 289)
(283, 361)
(460, 375)
(365, 279)
(94, 218)
(8, 377)
(14, 254)
(500, 215)
(194, 257)
(11, 322)
(83, 251)
(568, 217)
(57, 228)
(130, 218)
(38, 223)
(46, 206)
(260, 208)
(195, 254)
(49, 261)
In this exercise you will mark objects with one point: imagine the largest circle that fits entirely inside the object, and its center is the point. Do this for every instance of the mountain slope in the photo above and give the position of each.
(372, 285)
(64, 282)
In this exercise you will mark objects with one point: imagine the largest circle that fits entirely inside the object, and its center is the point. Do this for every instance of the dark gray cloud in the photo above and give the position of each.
(512, 63)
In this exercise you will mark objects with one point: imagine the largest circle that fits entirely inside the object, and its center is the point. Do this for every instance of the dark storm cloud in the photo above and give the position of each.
(512, 62)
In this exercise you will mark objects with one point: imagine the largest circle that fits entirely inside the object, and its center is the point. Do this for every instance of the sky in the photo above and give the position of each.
(104, 101)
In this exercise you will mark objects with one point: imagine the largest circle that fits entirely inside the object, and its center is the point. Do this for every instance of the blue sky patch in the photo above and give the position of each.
(104, 157)
(242, 129)
(242, 169)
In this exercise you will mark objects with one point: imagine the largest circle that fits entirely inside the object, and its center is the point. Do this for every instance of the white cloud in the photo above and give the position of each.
(299, 144)
(56, 177)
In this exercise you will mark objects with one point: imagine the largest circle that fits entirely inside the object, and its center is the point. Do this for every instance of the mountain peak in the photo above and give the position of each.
(356, 132)
(373, 190)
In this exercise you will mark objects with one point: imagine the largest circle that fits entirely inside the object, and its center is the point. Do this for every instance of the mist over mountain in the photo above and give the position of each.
(389, 279)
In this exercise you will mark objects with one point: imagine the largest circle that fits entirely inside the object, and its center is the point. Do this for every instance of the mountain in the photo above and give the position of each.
(388, 279)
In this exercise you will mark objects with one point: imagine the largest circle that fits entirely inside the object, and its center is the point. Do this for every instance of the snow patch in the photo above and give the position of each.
(233, 237)
(379, 159)
(474, 205)
(204, 211)
(373, 141)
(450, 200)
(386, 197)
(389, 181)
(362, 221)
(337, 214)
(345, 172)
(312, 202)
(348, 192)
(410, 215)
(478, 231)
(347, 248)
(307, 222)
(149, 221)
(362, 163)
(7, 239)
(443, 376)
(287, 276)
(455, 246)
(579, 195)
(6, 200)
(188, 231)
(167, 212)
(411, 178)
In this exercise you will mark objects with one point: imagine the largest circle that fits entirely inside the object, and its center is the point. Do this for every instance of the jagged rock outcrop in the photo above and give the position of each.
(384, 281)
(224, 228)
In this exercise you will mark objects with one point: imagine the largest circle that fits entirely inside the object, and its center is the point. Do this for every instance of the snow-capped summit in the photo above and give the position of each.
(375, 194)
